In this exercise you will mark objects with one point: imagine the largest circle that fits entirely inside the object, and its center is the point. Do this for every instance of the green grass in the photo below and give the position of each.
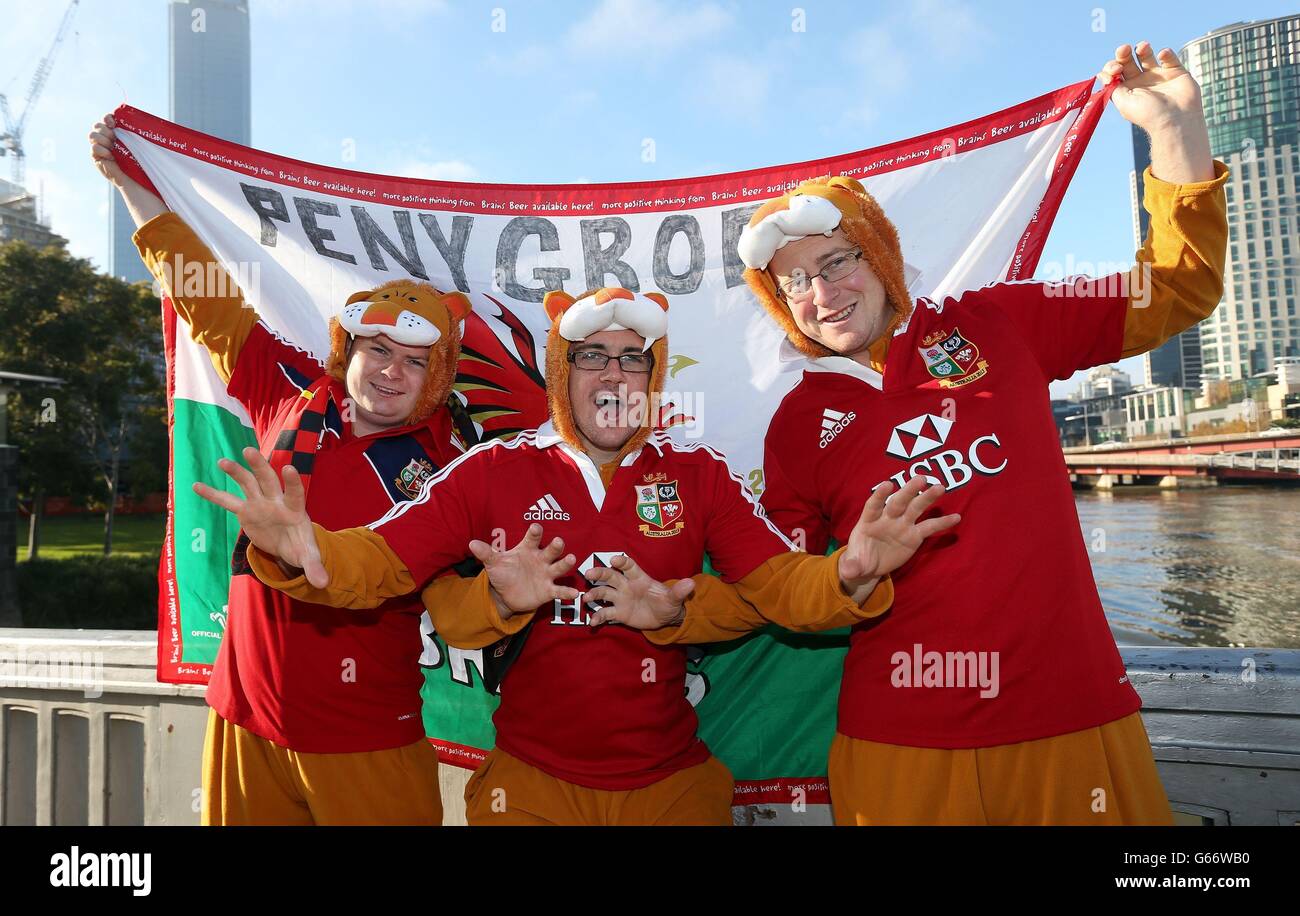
(65, 536)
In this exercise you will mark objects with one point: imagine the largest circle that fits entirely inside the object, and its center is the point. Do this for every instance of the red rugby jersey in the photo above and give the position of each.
(309, 677)
(603, 708)
(997, 633)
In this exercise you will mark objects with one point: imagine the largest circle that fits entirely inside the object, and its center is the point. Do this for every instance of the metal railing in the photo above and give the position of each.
(88, 736)
(1248, 461)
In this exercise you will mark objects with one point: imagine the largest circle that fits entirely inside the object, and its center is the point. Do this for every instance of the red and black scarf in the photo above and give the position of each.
(314, 415)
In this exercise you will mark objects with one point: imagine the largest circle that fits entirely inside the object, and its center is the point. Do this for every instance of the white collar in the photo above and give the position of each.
(546, 436)
(790, 356)
(792, 359)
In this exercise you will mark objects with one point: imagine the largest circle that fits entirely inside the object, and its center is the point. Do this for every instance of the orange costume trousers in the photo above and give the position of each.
(1104, 775)
(505, 791)
(248, 780)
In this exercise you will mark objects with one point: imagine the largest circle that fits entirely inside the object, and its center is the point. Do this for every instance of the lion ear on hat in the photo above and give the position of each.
(658, 297)
(852, 184)
(556, 302)
(457, 305)
(360, 296)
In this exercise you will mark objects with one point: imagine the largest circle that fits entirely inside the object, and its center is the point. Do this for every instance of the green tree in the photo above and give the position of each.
(103, 337)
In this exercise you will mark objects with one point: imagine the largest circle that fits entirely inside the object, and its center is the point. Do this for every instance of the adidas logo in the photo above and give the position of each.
(833, 423)
(918, 436)
(546, 509)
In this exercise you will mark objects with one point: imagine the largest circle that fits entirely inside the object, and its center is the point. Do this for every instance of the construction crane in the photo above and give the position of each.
(11, 141)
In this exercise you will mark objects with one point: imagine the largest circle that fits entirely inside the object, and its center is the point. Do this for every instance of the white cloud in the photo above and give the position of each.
(394, 11)
(530, 59)
(83, 223)
(737, 85)
(878, 56)
(860, 115)
(951, 28)
(445, 170)
(936, 34)
(646, 27)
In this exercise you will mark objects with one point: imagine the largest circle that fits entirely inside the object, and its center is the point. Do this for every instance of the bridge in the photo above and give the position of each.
(1272, 456)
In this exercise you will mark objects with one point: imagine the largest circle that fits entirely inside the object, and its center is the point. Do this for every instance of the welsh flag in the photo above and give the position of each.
(973, 204)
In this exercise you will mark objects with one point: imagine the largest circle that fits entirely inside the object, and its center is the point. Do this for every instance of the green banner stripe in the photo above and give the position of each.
(205, 534)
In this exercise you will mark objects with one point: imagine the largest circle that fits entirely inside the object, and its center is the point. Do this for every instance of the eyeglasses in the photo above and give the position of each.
(595, 361)
(799, 285)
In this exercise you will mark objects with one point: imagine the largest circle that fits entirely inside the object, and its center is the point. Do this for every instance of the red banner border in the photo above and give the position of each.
(753, 185)
(172, 667)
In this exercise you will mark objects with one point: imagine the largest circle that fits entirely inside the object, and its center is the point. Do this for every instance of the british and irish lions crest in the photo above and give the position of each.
(951, 358)
(660, 510)
(412, 477)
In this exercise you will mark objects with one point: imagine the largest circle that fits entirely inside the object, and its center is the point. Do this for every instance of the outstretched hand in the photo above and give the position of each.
(274, 519)
(523, 577)
(634, 598)
(889, 531)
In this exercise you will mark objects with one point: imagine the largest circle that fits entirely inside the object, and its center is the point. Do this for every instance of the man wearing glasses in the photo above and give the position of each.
(593, 726)
(993, 691)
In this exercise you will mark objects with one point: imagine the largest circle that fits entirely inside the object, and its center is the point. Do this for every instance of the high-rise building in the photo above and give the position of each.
(21, 222)
(1250, 83)
(1103, 382)
(210, 73)
(123, 260)
(209, 82)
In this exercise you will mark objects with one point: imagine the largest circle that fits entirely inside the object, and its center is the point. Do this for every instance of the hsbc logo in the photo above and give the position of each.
(918, 436)
(577, 609)
(922, 438)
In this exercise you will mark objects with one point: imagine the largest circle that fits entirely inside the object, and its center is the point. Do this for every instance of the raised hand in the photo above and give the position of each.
(523, 577)
(1156, 88)
(274, 519)
(1161, 97)
(102, 136)
(141, 203)
(635, 599)
(889, 531)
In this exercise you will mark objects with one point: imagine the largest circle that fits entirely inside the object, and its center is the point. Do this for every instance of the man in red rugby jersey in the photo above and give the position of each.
(993, 691)
(593, 726)
(315, 712)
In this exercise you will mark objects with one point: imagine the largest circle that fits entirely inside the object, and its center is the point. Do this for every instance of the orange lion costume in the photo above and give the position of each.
(412, 314)
(820, 206)
(610, 308)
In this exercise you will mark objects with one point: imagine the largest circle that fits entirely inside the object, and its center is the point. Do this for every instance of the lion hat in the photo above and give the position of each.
(819, 207)
(410, 313)
(610, 308)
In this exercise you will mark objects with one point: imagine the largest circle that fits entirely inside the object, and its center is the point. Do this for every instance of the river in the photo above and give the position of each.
(1197, 567)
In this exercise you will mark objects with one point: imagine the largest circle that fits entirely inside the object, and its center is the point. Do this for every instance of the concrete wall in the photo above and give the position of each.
(87, 736)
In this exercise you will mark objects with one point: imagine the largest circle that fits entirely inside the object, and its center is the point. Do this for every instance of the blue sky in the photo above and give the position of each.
(569, 91)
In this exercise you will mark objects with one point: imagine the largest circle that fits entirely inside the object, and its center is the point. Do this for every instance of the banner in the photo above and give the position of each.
(973, 204)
